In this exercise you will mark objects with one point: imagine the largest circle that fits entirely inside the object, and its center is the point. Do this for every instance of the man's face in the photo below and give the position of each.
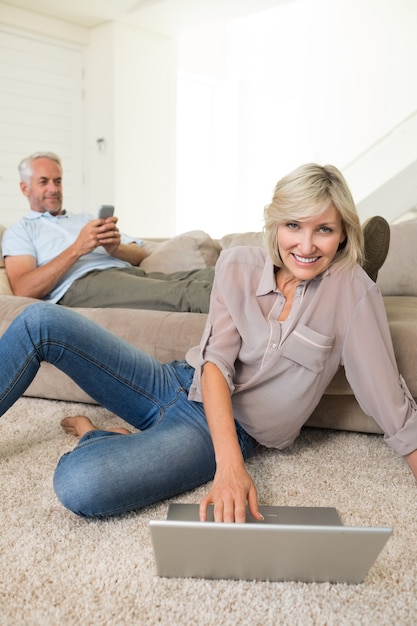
(44, 190)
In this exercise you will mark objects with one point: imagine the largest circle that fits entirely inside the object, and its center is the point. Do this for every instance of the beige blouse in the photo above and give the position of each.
(278, 371)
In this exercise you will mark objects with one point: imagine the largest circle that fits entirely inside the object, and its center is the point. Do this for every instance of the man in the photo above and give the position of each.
(79, 260)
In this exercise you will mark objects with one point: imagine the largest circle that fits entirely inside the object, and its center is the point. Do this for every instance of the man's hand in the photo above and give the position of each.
(108, 235)
(97, 233)
(232, 488)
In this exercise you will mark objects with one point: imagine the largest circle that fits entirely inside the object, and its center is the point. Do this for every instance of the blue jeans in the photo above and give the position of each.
(109, 473)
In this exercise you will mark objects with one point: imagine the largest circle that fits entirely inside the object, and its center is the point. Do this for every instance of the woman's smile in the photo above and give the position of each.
(301, 259)
(308, 246)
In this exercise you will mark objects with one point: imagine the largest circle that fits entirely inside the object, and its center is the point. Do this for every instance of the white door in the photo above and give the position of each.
(41, 108)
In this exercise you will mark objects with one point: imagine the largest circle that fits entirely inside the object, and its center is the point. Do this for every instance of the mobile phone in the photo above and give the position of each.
(106, 210)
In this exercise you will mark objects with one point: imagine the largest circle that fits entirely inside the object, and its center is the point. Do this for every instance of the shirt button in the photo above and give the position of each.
(274, 346)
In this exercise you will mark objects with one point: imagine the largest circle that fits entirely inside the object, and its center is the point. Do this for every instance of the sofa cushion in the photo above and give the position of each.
(402, 316)
(242, 239)
(189, 251)
(397, 277)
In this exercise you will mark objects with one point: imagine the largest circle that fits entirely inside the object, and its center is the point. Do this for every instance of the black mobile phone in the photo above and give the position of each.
(106, 210)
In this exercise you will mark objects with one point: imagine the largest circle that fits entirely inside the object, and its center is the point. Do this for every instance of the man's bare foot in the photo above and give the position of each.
(79, 425)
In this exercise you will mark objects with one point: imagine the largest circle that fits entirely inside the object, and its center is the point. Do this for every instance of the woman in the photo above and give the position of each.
(281, 322)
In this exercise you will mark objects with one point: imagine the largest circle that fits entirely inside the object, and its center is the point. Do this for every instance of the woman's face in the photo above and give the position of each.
(307, 247)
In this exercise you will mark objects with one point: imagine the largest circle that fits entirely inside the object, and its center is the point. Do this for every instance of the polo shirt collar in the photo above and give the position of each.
(35, 215)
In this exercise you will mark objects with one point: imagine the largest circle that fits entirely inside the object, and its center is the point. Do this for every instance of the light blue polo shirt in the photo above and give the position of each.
(44, 237)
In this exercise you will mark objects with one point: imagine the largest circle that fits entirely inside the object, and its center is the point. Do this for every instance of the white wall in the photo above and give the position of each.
(99, 119)
(131, 108)
(145, 130)
(317, 81)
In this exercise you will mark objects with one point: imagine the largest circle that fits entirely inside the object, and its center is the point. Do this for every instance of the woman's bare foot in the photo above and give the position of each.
(79, 425)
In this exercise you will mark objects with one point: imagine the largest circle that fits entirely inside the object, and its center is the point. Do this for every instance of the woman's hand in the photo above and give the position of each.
(232, 488)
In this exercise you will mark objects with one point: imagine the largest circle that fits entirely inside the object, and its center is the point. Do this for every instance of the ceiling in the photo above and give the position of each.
(164, 16)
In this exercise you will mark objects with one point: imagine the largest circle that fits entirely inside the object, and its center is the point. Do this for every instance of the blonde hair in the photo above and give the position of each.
(307, 191)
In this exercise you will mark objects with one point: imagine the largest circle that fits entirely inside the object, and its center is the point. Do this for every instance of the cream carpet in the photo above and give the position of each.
(58, 569)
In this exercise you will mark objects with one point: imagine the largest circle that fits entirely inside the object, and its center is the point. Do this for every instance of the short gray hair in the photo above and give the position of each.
(25, 165)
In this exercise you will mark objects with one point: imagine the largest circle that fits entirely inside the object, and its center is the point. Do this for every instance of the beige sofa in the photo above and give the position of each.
(167, 336)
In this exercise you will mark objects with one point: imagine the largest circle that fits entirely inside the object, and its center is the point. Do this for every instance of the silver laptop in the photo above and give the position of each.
(306, 544)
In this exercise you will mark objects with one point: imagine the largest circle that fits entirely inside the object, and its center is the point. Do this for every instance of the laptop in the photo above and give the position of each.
(304, 544)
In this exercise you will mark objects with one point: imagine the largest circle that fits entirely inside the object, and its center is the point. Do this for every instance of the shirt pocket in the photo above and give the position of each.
(308, 348)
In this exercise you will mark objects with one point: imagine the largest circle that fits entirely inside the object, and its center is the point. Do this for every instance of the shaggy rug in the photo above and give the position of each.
(58, 569)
